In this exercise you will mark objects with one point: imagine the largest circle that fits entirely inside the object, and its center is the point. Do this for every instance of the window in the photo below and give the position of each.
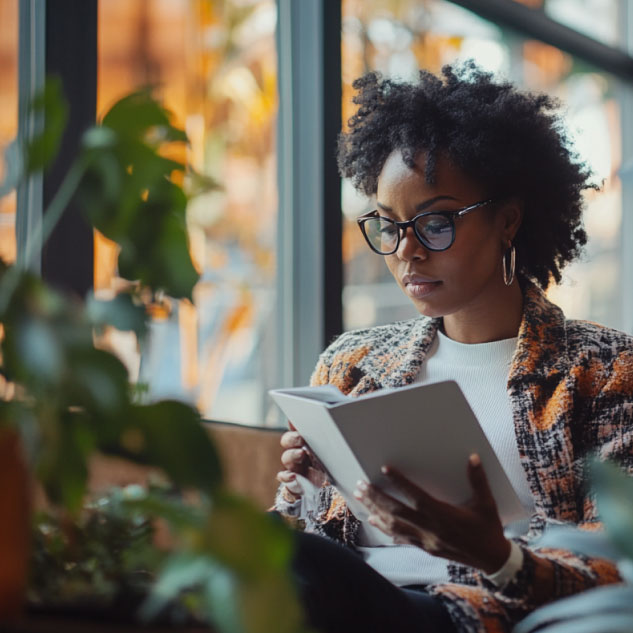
(399, 37)
(214, 65)
(8, 117)
(598, 19)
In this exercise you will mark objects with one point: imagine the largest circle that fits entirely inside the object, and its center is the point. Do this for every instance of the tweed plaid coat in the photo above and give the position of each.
(571, 390)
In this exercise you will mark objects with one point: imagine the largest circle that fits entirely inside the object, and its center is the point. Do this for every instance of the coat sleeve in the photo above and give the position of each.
(328, 514)
(549, 574)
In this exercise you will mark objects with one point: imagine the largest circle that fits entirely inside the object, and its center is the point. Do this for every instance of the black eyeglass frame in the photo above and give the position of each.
(403, 226)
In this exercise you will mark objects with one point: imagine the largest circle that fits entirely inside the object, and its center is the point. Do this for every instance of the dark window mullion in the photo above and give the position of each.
(71, 55)
(536, 24)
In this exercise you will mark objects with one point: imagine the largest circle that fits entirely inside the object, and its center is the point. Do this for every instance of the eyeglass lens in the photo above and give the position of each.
(434, 230)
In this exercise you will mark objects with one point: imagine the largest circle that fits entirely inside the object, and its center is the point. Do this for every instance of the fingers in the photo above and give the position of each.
(291, 439)
(296, 460)
(286, 476)
(482, 494)
(403, 533)
(414, 494)
(289, 480)
(383, 505)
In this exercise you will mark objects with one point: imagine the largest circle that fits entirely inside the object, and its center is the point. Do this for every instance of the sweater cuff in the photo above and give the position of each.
(285, 506)
(509, 569)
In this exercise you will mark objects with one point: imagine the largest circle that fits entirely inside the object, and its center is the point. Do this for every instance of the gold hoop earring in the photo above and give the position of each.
(508, 270)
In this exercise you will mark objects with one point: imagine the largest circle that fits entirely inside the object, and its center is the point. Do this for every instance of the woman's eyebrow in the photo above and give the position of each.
(419, 207)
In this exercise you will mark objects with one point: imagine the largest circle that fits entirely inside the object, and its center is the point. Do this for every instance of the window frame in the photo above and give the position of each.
(309, 251)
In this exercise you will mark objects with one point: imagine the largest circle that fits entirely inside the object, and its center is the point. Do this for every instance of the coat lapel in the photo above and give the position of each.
(395, 359)
(541, 390)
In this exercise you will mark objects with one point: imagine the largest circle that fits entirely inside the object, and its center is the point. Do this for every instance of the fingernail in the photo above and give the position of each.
(371, 520)
(475, 460)
(294, 487)
(384, 470)
(361, 485)
(358, 494)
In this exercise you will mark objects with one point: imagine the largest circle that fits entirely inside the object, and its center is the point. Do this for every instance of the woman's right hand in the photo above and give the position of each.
(297, 459)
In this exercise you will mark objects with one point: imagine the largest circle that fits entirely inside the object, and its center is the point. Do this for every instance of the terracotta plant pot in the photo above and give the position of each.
(14, 524)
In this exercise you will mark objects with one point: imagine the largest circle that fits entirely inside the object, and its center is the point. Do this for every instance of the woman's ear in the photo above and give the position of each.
(511, 216)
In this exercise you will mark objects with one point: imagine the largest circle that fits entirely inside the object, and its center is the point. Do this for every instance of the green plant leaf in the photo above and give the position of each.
(121, 312)
(99, 383)
(13, 168)
(128, 195)
(220, 595)
(139, 112)
(63, 466)
(183, 519)
(181, 571)
(614, 492)
(40, 352)
(52, 106)
(582, 541)
(245, 539)
(583, 607)
(170, 435)
(602, 623)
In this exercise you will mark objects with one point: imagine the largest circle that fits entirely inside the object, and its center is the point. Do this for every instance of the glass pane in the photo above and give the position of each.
(598, 19)
(214, 63)
(397, 38)
(8, 117)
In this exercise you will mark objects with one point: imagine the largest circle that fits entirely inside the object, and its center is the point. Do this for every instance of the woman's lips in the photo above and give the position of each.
(419, 287)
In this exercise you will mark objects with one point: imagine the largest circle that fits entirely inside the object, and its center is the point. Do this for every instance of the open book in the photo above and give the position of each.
(427, 432)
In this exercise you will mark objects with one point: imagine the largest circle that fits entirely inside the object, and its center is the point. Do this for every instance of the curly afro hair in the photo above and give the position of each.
(511, 142)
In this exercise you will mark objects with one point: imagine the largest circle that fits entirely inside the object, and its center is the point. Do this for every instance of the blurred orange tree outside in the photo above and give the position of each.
(214, 64)
(8, 117)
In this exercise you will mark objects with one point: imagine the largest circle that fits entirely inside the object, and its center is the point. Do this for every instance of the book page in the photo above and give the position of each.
(428, 432)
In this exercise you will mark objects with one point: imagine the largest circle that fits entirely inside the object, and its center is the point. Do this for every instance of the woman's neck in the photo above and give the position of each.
(495, 318)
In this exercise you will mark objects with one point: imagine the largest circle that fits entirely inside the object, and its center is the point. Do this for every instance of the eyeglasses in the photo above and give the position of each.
(435, 230)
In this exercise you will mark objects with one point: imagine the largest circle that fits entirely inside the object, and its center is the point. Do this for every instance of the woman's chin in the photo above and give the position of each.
(426, 299)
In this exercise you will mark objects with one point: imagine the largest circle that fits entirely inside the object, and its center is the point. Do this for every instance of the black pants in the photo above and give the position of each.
(342, 594)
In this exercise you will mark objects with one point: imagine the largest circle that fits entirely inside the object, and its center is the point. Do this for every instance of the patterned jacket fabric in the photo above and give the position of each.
(571, 391)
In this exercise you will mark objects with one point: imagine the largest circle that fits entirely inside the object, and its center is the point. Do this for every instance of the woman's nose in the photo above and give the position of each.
(410, 247)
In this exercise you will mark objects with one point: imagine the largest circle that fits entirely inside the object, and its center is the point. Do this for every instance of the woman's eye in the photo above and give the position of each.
(435, 227)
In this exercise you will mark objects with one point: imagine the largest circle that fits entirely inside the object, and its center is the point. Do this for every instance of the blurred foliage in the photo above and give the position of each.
(101, 554)
(228, 566)
(51, 113)
(69, 400)
(78, 399)
(605, 609)
(130, 194)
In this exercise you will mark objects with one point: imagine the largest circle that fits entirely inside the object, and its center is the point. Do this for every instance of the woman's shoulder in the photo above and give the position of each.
(368, 352)
(603, 351)
(587, 337)
(379, 336)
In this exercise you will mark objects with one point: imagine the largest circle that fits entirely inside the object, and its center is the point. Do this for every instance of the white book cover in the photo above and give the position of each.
(427, 432)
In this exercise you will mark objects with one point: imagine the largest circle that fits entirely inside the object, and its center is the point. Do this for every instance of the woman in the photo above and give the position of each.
(479, 203)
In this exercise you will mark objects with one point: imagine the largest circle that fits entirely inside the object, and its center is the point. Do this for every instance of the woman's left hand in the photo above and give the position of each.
(471, 534)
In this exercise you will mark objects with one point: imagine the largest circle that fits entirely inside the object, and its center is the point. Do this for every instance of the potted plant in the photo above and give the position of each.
(67, 400)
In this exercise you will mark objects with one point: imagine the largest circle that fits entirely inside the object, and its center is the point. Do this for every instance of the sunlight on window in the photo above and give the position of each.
(214, 63)
(397, 38)
(8, 118)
